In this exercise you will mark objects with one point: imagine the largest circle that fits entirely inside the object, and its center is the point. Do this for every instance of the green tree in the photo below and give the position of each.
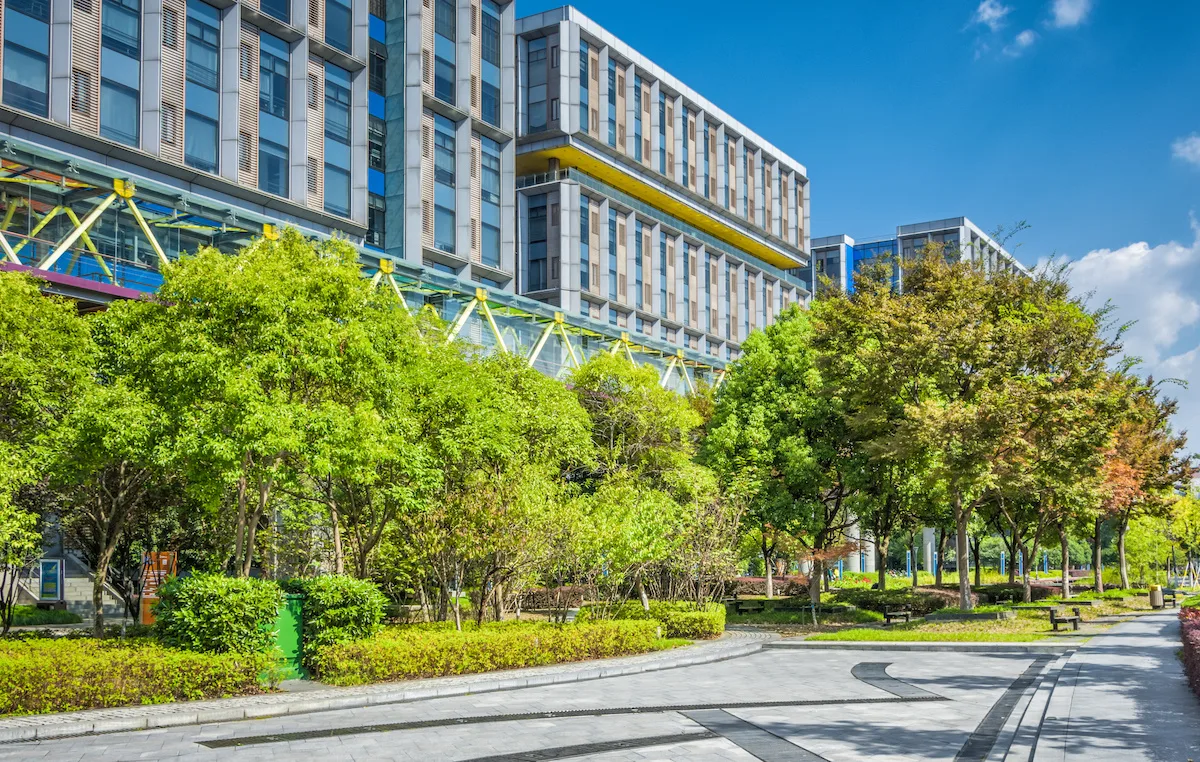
(20, 545)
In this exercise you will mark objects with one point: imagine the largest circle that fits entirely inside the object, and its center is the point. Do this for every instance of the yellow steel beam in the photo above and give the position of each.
(87, 240)
(38, 227)
(541, 342)
(461, 320)
(141, 221)
(75, 233)
(9, 254)
(667, 372)
(13, 205)
(399, 294)
(562, 330)
(686, 377)
(487, 313)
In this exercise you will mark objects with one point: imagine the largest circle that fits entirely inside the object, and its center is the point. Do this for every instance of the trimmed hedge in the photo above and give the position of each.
(708, 622)
(1189, 627)
(27, 616)
(413, 651)
(924, 601)
(40, 675)
(212, 613)
(339, 609)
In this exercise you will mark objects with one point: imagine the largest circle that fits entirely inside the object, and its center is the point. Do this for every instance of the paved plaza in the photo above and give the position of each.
(1120, 697)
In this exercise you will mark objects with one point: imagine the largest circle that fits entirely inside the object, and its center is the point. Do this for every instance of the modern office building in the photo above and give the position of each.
(643, 205)
(839, 257)
(537, 183)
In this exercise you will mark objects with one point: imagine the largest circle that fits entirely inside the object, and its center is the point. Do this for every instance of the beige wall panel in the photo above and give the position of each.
(248, 75)
(85, 66)
(427, 178)
(315, 103)
(174, 46)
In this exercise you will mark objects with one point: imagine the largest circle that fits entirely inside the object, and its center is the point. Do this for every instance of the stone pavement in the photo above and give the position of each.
(1122, 697)
(774, 705)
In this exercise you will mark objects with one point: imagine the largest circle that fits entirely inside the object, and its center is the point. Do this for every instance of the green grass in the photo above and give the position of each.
(26, 616)
(805, 617)
(994, 608)
(898, 634)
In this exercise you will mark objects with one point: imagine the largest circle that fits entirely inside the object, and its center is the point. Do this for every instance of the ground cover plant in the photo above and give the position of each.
(29, 616)
(414, 651)
(1189, 627)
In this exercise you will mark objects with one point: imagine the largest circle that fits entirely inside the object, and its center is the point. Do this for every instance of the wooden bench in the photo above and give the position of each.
(749, 607)
(901, 612)
(1169, 598)
(1057, 618)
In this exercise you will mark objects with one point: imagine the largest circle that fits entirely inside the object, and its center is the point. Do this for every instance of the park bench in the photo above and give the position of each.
(749, 607)
(1057, 618)
(900, 612)
(1169, 598)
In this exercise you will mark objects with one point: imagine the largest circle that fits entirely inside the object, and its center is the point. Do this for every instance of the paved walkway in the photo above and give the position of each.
(1121, 698)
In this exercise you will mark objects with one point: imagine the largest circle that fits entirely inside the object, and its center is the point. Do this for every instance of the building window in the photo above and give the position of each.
(120, 71)
(377, 74)
(443, 50)
(584, 239)
(637, 265)
(662, 134)
(490, 36)
(536, 103)
(443, 184)
(337, 24)
(662, 271)
(27, 55)
(376, 215)
(376, 142)
(612, 254)
(279, 9)
(612, 103)
(537, 242)
(687, 283)
(273, 114)
(337, 140)
(490, 201)
(200, 133)
(637, 118)
(583, 87)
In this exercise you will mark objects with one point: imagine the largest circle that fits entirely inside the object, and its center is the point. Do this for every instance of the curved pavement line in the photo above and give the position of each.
(875, 673)
(305, 735)
(979, 744)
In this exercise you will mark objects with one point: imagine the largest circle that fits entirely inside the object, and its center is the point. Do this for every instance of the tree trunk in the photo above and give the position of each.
(916, 566)
(1122, 528)
(814, 582)
(642, 596)
(940, 559)
(978, 566)
(962, 553)
(1012, 557)
(1026, 592)
(881, 550)
(1096, 557)
(1066, 561)
(98, 591)
(768, 569)
(339, 557)
(240, 526)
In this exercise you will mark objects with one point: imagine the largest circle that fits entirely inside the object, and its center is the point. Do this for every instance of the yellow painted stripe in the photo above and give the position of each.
(571, 156)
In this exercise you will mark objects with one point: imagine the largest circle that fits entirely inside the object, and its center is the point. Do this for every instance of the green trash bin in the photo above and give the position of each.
(290, 637)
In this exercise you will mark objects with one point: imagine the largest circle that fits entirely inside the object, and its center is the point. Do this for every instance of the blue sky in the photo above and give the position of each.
(1081, 117)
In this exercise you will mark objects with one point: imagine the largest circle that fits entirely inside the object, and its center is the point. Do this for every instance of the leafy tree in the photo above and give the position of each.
(20, 545)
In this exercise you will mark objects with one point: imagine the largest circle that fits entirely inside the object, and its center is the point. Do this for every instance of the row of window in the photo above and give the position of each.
(445, 197)
(485, 93)
(338, 24)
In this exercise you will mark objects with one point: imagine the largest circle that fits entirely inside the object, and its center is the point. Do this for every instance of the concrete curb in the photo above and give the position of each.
(902, 645)
(120, 719)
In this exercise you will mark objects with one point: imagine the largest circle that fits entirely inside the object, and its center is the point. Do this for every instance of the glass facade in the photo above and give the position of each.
(337, 140)
(584, 244)
(535, 93)
(443, 50)
(662, 269)
(490, 201)
(637, 118)
(27, 55)
(662, 134)
(687, 283)
(443, 184)
(337, 24)
(583, 87)
(489, 20)
(612, 103)
(279, 9)
(637, 266)
(612, 254)
(273, 114)
(537, 242)
(120, 70)
(200, 133)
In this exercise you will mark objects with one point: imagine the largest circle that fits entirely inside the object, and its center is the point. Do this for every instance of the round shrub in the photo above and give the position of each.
(340, 609)
(212, 613)
(679, 619)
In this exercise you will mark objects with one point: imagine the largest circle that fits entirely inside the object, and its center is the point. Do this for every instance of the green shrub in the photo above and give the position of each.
(665, 613)
(27, 616)
(65, 674)
(339, 609)
(923, 601)
(408, 651)
(212, 613)
(695, 625)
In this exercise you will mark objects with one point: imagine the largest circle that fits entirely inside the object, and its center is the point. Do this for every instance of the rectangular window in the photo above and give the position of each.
(662, 273)
(612, 103)
(27, 55)
(637, 266)
(637, 118)
(200, 132)
(443, 184)
(376, 142)
(536, 103)
(376, 216)
(272, 167)
(120, 71)
(337, 24)
(489, 184)
(584, 246)
(489, 48)
(662, 134)
(583, 88)
(337, 140)
(443, 19)
(273, 109)
(377, 74)
(612, 254)
(279, 9)
(537, 243)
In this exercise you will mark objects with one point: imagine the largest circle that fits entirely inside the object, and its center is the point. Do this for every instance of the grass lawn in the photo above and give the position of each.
(1029, 625)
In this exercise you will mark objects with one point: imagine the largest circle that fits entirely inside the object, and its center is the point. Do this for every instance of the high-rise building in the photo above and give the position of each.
(643, 205)
(537, 183)
(839, 257)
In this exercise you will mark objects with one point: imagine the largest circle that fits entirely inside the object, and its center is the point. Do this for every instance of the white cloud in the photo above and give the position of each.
(991, 13)
(1187, 149)
(1069, 13)
(1159, 288)
(1021, 43)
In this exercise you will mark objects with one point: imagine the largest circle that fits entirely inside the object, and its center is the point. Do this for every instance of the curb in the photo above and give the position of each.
(902, 645)
(121, 719)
